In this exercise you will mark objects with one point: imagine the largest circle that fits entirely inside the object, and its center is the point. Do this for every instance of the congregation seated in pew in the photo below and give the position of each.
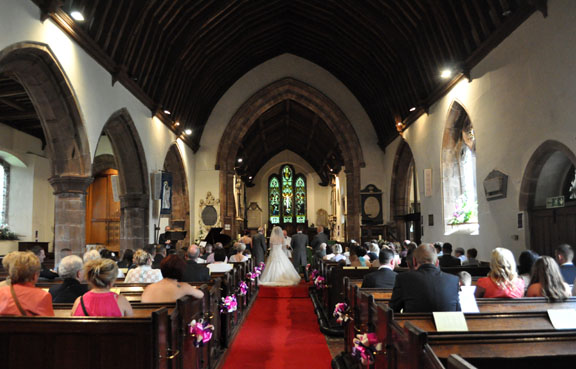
(100, 301)
(20, 296)
(502, 280)
(219, 265)
(194, 271)
(143, 273)
(547, 281)
(385, 276)
(70, 271)
(171, 287)
(239, 256)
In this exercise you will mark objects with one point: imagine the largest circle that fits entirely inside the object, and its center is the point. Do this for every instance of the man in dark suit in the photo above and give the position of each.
(298, 244)
(319, 239)
(426, 289)
(447, 260)
(160, 255)
(70, 288)
(194, 272)
(259, 246)
(385, 276)
(564, 255)
(45, 273)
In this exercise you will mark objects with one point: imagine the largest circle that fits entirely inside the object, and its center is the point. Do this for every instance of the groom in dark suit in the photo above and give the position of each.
(298, 244)
(259, 246)
(385, 276)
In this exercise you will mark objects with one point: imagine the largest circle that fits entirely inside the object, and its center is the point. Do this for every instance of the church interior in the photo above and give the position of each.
(420, 120)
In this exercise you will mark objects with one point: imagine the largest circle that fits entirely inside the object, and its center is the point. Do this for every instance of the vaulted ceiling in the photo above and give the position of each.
(182, 56)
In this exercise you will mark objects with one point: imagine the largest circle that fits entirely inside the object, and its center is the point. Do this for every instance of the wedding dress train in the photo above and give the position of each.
(279, 270)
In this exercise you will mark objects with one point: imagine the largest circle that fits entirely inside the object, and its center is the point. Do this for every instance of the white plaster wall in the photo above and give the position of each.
(285, 65)
(97, 98)
(522, 94)
(30, 198)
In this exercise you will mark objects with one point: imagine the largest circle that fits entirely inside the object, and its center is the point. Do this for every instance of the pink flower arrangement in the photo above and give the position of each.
(250, 276)
(365, 347)
(229, 304)
(201, 331)
(314, 274)
(243, 287)
(341, 313)
(258, 270)
(319, 282)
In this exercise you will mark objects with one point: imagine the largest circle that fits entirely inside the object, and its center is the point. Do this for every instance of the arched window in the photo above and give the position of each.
(459, 171)
(287, 196)
(4, 181)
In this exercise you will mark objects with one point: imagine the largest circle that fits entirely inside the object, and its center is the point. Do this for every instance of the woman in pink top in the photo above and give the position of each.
(502, 280)
(547, 281)
(100, 301)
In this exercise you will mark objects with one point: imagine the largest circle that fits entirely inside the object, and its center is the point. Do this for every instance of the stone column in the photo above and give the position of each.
(227, 205)
(69, 213)
(353, 204)
(134, 215)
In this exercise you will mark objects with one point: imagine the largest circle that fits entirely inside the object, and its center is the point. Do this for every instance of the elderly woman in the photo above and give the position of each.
(220, 265)
(70, 289)
(239, 256)
(170, 289)
(338, 253)
(547, 281)
(100, 301)
(502, 280)
(143, 273)
(21, 297)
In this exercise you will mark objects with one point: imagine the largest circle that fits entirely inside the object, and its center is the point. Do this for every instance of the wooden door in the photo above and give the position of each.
(552, 227)
(102, 212)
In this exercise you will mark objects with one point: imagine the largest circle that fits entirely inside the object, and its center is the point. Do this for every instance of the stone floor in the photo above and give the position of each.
(335, 345)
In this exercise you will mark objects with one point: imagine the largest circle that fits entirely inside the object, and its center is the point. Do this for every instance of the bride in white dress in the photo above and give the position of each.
(279, 270)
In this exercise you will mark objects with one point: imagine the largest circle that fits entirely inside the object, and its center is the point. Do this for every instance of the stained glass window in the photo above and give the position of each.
(274, 199)
(300, 199)
(3, 192)
(287, 194)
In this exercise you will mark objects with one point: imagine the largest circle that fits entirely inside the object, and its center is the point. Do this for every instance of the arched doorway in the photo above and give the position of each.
(332, 118)
(34, 66)
(548, 194)
(180, 201)
(132, 179)
(404, 200)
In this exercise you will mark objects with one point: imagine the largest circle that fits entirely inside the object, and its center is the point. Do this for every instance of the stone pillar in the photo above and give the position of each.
(134, 221)
(353, 204)
(69, 213)
(227, 205)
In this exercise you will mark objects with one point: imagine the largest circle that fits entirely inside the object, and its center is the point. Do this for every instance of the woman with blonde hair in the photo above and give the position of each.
(502, 280)
(547, 281)
(143, 273)
(20, 296)
(100, 301)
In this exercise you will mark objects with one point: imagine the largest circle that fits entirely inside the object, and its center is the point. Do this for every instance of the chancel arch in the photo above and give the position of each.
(267, 119)
(460, 197)
(51, 101)
(180, 211)
(133, 185)
(548, 195)
(404, 201)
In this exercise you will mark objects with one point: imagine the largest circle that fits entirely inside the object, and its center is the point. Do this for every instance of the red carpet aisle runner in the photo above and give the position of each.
(281, 331)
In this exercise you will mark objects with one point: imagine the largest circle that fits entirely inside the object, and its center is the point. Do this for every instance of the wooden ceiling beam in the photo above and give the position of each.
(12, 104)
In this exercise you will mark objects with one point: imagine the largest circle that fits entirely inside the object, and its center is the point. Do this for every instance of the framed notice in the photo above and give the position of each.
(427, 182)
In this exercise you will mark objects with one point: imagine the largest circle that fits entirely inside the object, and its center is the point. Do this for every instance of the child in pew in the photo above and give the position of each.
(547, 281)
(100, 301)
(466, 293)
(170, 288)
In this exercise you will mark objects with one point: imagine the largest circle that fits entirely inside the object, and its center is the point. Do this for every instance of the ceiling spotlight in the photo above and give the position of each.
(188, 131)
(76, 15)
(167, 112)
(413, 108)
(446, 73)
(177, 124)
(250, 177)
(240, 160)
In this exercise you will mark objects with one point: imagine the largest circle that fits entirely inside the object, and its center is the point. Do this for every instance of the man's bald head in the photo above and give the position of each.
(193, 252)
(425, 254)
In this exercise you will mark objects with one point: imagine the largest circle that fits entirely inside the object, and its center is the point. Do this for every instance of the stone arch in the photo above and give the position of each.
(36, 68)
(320, 104)
(180, 201)
(400, 187)
(103, 162)
(534, 167)
(132, 178)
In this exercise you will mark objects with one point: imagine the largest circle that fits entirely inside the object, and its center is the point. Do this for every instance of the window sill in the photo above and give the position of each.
(462, 228)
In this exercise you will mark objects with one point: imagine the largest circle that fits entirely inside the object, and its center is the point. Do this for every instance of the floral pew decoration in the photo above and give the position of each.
(228, 304)
(366, 346)
(201, 331)
(242, 288)
(320, 282)
(342, 313)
